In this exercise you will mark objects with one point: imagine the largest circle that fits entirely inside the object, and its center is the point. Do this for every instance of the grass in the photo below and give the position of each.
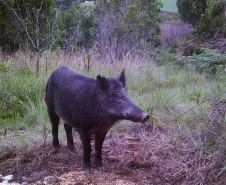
(163, 91)
(162, 87)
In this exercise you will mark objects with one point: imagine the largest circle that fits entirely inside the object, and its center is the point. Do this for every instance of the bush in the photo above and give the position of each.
(174, 32)
(126, 26)
(213, 21)
(190, 11)
(189, 46)
(208, 16)
(209, 61)
(198, 49)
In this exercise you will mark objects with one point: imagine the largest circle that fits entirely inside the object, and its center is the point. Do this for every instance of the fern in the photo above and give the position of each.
(209, 61)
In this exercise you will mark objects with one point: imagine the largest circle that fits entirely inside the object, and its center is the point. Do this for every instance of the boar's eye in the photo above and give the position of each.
(117, 95)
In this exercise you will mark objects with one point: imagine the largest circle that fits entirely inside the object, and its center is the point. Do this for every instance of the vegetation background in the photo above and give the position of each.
(175, 69)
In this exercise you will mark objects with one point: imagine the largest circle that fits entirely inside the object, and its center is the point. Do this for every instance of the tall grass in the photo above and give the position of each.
(165, 88)
(20, 90)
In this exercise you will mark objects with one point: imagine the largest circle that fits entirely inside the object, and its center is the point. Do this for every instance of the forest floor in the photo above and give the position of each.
(140, 155)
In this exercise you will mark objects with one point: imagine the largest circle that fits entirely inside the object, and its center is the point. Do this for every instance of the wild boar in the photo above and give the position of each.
(90, 105)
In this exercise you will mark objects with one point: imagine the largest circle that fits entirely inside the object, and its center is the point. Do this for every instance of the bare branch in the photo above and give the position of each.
(21, 21)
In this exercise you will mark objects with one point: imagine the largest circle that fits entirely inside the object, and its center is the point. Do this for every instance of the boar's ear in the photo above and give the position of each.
(122, 78)
(102, 85)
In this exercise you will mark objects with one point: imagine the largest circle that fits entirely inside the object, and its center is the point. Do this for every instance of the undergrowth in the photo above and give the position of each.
(206, 61)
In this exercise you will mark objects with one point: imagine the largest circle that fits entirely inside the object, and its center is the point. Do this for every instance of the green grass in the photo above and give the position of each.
(169, 5)
(21, 98)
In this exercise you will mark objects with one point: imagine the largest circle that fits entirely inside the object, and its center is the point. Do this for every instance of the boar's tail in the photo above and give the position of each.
(48, 85)
(45, 95)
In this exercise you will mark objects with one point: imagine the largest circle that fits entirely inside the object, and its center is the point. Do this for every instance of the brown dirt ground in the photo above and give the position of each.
(138, 156)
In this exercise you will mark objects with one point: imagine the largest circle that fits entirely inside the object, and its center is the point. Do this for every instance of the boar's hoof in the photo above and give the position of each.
(98, 165)
(100, 168)
(73, 149)
(56, 147)
(87, 167)
(88, 170)
(56, 150)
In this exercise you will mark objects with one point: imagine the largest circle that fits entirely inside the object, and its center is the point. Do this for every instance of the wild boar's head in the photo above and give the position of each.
(115, 101)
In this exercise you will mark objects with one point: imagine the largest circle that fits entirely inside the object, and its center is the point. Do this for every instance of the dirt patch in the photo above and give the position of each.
(81, 177)
(142, 157)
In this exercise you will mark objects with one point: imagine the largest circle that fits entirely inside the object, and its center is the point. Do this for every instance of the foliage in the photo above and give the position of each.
(12, 36)
(208, 16)
(127, 26)
(78, 27)
(208, 61)
(123, 26)
(213, 21)
(190, 10)
(174, 32)
(198, 49)
(190, 45)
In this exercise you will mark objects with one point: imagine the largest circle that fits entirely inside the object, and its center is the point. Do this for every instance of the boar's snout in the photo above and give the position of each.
(136, 114)
(145, 117)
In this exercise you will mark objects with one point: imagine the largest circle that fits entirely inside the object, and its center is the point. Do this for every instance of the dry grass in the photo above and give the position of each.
(77, 60)
(137, 155)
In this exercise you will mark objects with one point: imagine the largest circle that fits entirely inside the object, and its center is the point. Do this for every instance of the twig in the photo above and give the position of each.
(197, 106)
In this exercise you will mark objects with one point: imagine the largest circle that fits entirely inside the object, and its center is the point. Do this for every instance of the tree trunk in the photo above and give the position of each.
(37, 64)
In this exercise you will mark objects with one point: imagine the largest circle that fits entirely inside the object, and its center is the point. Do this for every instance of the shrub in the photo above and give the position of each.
(209, 61)
(213, 21)
(126, 26)
(190, 11)
(189, 46)
(208, 16)
(174, 32)
(198, 49)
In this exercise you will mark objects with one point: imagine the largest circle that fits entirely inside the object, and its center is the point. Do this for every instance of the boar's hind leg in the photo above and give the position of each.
(85, 138)
(70, 142)
(99, 139)
(54, 118)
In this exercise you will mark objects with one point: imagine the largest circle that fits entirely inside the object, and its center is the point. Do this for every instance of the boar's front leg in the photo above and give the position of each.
(85, 138)
(99, 139)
